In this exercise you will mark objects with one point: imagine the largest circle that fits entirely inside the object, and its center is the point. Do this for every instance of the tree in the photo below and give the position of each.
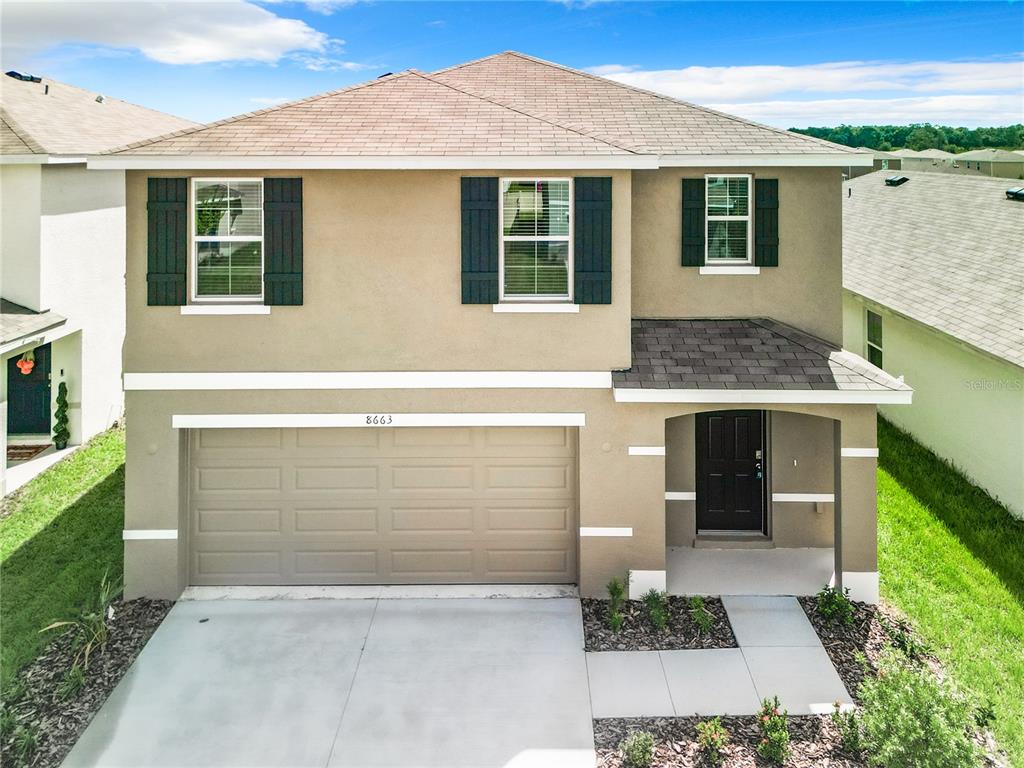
(61, 433)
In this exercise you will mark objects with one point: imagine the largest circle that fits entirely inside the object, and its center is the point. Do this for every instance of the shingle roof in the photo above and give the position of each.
(17, 322)
(756, 353)
(55, 118)
(508, 104)
(943, 249)
(991, 155)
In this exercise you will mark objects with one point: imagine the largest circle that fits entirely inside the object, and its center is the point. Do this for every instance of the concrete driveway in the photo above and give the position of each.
(433, 682)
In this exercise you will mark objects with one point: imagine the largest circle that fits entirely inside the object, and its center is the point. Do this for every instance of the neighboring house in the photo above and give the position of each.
(505, 322)
(882, 161)
(926, 160)
(933, 271)
(62, 257)
(992, 162)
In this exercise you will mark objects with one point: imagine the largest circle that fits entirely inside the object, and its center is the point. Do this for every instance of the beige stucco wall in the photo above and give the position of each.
(804, 290)
(968, 407)
(382, 291)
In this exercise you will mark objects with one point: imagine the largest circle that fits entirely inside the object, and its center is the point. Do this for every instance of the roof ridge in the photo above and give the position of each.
(26, 138)
(520, 110)
(265, 110)
(655, 94)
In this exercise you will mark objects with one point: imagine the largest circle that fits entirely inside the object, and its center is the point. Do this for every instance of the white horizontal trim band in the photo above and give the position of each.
(604, 531)
(781, 396)
(647, 450)
(237, 381)
(680, 495)
(830, 497)
(313, 420)
(859, 453)
(378, 162)
(225, 309)
(829, 159)
(539, 308)
(150, 534)
(730, 270)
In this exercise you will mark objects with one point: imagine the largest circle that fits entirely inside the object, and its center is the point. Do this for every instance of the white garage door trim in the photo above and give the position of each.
(308, 420)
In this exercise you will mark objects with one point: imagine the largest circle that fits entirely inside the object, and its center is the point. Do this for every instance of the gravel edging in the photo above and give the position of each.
(58, 722)
(637, 633)
(813, 740)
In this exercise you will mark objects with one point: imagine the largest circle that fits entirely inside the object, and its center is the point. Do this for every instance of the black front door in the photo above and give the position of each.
(28, 395)
(731, 471)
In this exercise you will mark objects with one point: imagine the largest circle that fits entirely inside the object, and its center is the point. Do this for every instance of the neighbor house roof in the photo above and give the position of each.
(991, 155)
(505, 105)
(50, 117)
(942, 249)
(18, 322)
(756, 353)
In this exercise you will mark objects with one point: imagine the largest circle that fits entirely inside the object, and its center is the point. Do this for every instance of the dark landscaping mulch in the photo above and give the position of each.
(638, 634)
(34, 700)
(813, 740)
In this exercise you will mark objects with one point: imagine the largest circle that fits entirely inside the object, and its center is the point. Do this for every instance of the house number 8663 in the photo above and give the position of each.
(379, 419)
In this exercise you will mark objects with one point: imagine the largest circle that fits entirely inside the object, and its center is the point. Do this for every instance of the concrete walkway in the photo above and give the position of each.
(779, 654)
(370, 682)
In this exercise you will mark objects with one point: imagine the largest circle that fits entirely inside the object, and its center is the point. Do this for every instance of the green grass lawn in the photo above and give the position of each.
(62, 533)
(952, 559)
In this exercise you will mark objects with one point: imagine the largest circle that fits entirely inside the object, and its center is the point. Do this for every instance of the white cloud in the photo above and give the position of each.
(318, 63)
(325, 7)
(269, 101)
(170, 33)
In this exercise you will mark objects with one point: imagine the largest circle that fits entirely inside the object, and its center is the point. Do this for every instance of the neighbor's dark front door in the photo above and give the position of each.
(730, 471)
(28, 396)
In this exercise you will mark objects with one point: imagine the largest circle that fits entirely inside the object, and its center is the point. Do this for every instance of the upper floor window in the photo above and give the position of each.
(227, 239)
(874, 337)
(728, 219)
(536, 249)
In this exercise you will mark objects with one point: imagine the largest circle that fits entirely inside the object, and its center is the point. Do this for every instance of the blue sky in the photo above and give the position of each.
(788, 64)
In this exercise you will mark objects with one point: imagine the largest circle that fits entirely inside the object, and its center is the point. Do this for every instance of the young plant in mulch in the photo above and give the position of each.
(847, 725)
(89, 629)
(701, 615)
(712, 739)
(638, 749)
(616, 595)
(835, 606)
(656, 604)
(774, 724)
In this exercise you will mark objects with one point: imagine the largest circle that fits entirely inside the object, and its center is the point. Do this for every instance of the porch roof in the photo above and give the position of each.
(18, 322)
(744, 354)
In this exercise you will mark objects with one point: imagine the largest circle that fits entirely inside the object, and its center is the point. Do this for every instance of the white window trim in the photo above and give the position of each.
(868, 344)
(749, 218)
(194, 239)
(503, 238)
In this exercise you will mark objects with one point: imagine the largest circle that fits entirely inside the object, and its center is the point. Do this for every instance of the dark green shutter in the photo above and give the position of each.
(167, 244)
(479, 240)
(282, 241)
(693, 222)
(592, 240)
(766, 222)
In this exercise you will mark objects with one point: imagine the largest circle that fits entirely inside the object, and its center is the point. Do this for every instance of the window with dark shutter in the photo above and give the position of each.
(479, 240)
(693, 222)
(167, 243)
(766, 222)
(282, 242)
(592, 240)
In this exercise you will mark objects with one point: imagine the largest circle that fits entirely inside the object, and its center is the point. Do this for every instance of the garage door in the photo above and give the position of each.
(383, 506)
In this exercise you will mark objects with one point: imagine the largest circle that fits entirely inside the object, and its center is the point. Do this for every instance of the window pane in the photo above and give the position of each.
(234, 208)
(874, 328)
(536, 268)
(229, 269)
(534, 208)
(875, 356)
(728, 196)
(727, 240)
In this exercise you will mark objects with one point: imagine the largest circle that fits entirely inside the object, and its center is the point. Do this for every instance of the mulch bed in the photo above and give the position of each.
(24, 452)
(813, 740)
(637, 633)
(34, 700)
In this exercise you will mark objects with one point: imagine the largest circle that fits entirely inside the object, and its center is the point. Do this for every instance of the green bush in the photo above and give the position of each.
(701, 615)
(847, 722)
(638, 749)
(712, 738)
(911, 719)
(834, 605)
(774, 724)
(616, 594)
(615, 620)
(657, 608)
(61, 433)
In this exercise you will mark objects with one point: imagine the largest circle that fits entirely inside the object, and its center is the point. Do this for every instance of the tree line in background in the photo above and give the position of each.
(920, 136)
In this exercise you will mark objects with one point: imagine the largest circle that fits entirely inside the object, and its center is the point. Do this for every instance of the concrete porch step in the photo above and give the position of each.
(732, 541)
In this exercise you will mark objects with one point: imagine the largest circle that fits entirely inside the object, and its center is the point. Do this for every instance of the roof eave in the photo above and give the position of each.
(371, 162)
(41, 158)
(766, 396)
(815, 159)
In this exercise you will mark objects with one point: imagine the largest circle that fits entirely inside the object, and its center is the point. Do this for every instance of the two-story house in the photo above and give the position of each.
(62, 246)
(507, 322)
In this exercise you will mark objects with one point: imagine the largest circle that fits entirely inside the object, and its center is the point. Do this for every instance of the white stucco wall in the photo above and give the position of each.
(968, 407)
(19, 234)
(82, 247)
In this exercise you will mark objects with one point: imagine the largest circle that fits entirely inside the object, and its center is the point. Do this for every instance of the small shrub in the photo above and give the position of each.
(638, 749)
(26, 740)
(712, 738)
(89, 627)
(701, 615)
(835, 606)
(984, 714)
(905, 640)
(774, 724)
(657, 608)
(911, 719)
(847, 722)
(615, 620)
(616, 594)
(73, 682)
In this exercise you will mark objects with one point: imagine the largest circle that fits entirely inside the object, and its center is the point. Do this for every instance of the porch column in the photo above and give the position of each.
(856, 514)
